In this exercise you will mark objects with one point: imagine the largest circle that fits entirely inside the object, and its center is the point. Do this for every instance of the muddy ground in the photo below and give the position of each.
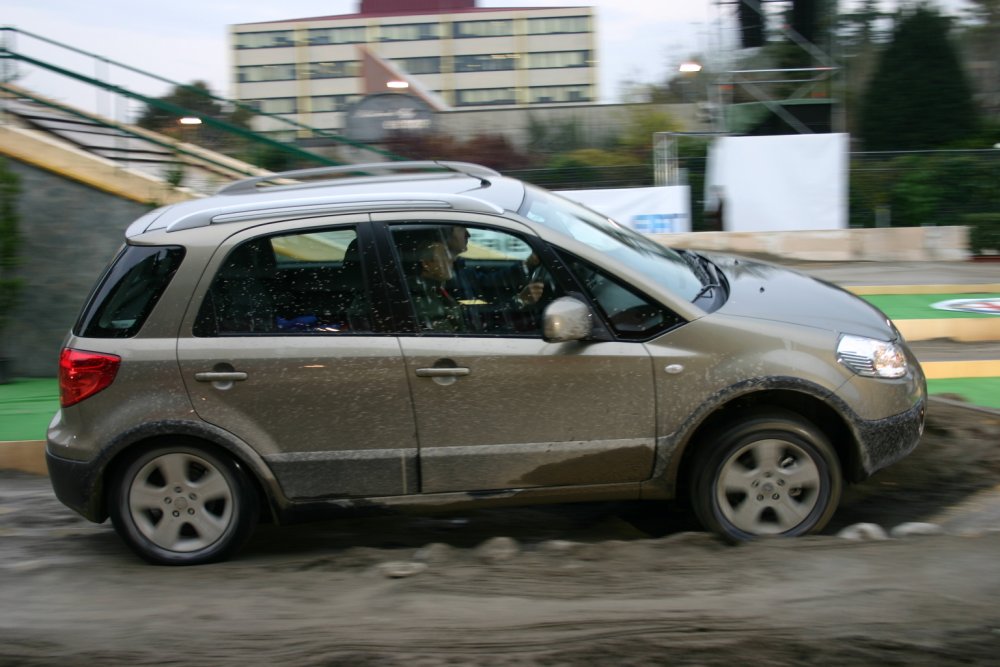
(610, 584)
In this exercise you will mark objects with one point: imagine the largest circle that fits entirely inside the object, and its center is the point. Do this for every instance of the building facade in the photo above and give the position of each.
(450, 53)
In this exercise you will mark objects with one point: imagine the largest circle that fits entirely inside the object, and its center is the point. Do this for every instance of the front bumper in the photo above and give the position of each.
(885, 441)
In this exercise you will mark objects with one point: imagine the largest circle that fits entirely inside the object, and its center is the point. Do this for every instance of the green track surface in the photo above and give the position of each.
(27, 406)
(978, 391)
(918, 306)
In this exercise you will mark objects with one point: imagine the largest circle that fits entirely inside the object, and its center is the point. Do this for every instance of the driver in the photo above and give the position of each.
(468, 282)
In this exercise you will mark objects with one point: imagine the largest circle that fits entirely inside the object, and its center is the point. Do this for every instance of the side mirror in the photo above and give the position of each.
(567, 319)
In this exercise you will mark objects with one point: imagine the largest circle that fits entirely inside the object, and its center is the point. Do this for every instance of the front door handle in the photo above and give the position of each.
(442, 372)
(220, 376)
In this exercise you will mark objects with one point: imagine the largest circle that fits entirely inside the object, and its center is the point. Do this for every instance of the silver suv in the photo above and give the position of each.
(438, 335)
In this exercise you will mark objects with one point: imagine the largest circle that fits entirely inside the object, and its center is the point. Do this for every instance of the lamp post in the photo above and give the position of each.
(689, 69)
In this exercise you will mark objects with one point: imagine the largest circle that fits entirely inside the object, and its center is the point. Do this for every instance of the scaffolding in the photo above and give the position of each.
(751, 91)
(788, 84)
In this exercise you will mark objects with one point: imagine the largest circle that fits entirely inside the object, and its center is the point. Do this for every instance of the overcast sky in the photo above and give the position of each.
(185, 40)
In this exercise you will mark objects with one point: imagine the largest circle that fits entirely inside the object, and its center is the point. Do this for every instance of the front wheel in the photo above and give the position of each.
(182, 505)
(768, 474)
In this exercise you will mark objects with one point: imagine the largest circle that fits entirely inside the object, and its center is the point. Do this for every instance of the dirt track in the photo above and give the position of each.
(580, 585)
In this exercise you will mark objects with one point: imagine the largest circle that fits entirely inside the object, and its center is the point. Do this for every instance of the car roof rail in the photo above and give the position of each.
(249, 185)
(312, 207)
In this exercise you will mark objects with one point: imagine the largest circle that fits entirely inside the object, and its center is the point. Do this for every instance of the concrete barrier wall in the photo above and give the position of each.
(70, 231)
(892, 244)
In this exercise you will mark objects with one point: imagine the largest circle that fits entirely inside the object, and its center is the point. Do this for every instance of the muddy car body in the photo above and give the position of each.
(286, 350)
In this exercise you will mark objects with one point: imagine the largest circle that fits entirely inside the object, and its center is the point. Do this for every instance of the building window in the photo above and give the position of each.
(559, 25)
(409, 32)
(255, 73)
(497, 28)
(486, 63)
(428, 65)
(323, 103)
(560, 94)
(337, 69)
(557, 59)
(484, 97)
(275, 105)
(264, 40)
(352, 35)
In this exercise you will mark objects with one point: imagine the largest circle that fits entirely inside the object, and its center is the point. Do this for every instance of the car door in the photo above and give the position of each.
(284, 352)
(496, 406)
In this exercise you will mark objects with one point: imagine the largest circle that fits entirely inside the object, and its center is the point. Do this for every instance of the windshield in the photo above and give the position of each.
(667, 267)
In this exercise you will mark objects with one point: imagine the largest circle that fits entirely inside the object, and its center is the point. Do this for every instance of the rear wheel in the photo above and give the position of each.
(183, 505)
(768, 474)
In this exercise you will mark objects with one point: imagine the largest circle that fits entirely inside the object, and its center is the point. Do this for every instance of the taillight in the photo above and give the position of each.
(83, 374)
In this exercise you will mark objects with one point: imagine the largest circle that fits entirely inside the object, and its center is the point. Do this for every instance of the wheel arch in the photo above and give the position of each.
(147, 436)
(808, 401)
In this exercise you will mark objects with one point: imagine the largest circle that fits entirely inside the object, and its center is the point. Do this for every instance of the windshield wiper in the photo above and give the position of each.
(694, 261)
(707, 287)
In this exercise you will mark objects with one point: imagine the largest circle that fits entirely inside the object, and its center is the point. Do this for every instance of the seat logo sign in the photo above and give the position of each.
(986, 306)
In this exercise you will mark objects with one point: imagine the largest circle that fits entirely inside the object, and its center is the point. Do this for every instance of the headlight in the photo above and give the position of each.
(871, 358)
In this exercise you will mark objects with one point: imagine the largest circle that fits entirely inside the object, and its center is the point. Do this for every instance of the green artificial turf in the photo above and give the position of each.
(978, 391)
(27, 407)
(918, 306)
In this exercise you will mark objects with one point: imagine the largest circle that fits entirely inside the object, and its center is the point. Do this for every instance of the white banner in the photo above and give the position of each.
(658, 210)
(779, 183)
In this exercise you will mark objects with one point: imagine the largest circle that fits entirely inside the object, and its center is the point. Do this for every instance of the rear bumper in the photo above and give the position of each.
(78, 485)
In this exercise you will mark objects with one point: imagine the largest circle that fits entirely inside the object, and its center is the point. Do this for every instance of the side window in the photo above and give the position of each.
(130, 288)
(472, 280)
(290, 284)
(631, 315)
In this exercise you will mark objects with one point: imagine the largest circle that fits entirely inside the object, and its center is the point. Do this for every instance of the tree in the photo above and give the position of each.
(640, 124)
(194, 99)
(919, 96)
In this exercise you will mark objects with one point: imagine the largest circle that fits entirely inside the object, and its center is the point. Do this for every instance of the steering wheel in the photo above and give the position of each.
(540, 275)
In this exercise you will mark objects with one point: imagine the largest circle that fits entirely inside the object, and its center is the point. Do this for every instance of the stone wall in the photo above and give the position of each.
(70, 232)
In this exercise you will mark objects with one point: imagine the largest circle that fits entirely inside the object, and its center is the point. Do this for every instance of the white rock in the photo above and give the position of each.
(916, 528)
(863, 531)
(559, 546)
(398, 569)
(498, 549)
(435, 552)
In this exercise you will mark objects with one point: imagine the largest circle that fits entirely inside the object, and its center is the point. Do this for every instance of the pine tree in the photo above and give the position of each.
(919, 97)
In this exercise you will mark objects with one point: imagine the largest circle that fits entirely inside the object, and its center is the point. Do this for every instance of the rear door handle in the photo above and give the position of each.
(442, 372)
(220, 376)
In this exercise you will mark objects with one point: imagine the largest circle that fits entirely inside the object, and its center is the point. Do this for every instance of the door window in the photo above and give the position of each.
(630, 314)
(471, 280)
(300, 283)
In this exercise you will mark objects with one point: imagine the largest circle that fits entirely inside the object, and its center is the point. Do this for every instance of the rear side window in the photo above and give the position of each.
(129, 291)
(303, 283)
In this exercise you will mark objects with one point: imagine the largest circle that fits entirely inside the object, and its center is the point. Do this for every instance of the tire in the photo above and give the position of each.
(767, 474)
(183, 505)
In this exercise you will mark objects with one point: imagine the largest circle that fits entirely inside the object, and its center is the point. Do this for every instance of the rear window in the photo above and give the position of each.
(128, 292)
